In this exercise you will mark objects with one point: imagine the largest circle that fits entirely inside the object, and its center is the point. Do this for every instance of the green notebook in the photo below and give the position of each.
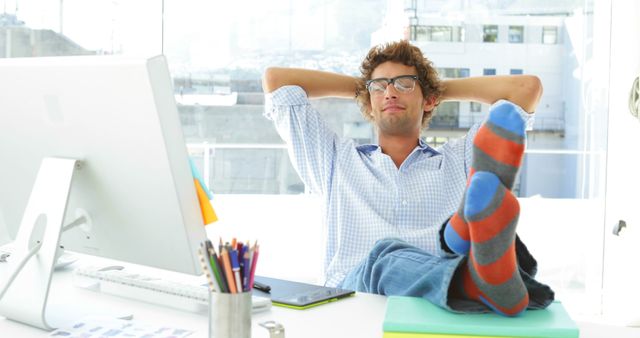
(414, 317)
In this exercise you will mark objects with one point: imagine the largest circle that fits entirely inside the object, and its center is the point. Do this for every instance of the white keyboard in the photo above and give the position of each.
(181, 295)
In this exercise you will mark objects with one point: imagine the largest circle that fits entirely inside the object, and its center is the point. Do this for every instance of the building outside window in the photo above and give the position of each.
(475, 107)
(489, 71)
(490, 33)
(219, 50)
(436, 141)
(434, 33)
(447, 114)
(450, 73)
(549, 35)
(516, 34)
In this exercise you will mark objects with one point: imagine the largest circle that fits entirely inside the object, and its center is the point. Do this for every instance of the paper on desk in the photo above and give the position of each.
(94, 326)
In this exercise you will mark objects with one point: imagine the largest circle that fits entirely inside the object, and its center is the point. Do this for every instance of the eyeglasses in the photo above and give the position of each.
(402, 83)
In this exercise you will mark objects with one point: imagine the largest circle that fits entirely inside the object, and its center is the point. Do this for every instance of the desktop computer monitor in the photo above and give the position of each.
(117, 116)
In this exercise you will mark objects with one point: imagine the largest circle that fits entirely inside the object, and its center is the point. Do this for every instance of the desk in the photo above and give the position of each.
(354, 317)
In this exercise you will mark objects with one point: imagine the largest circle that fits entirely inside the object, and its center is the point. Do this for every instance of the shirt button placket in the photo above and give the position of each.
(402, 196)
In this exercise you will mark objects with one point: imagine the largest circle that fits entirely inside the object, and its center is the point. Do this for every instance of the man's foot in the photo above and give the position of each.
(491, 275)
(497, 148)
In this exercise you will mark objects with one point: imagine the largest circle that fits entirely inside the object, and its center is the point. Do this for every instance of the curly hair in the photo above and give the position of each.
(405, 53)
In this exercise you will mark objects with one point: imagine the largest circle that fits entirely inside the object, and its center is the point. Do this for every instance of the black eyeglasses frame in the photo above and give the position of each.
(391, 81)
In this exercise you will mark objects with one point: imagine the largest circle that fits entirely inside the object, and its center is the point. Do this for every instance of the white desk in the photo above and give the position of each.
(354, 317)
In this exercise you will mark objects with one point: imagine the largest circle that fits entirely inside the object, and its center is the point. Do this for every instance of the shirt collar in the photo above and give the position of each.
(423, 146)
(367, 148)
(427, 148)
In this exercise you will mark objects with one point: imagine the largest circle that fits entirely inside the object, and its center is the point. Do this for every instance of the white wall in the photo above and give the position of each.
(621, 273)
(287, 227)
(559, 233)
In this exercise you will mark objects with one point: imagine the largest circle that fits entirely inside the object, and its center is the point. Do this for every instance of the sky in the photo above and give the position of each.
(202, 29)
(97, 25)
(205, 33)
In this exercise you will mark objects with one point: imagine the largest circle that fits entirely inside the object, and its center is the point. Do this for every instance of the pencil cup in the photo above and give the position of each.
(229, 315)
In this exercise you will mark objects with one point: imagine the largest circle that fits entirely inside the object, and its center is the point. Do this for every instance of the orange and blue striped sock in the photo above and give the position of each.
(498, 148)
(491, 275)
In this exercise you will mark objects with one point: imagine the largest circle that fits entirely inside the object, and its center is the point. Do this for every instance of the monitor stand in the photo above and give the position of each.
(25, 278)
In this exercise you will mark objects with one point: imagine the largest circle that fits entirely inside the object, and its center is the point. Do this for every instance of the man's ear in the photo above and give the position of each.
(429, 103)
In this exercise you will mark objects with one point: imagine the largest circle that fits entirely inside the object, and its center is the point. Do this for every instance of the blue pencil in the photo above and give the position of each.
(246, 267)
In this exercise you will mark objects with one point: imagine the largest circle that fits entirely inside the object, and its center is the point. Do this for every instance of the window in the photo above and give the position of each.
(359, 131)
(490, 33)
(489, 71)
(240, 151)
(516, 34)
(549, 35)
(446, 116)
(436, 142)
(438, 33)
(451, 73)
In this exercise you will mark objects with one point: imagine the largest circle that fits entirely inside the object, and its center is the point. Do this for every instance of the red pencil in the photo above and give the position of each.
(253, 266)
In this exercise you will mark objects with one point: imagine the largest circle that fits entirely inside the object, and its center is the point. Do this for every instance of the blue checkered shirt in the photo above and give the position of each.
(366, 197)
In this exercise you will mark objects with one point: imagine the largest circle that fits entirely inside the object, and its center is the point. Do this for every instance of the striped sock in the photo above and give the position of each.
(498, 148)
(491, 275)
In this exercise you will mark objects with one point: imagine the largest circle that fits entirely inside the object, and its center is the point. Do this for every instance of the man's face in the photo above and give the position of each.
(395, 112)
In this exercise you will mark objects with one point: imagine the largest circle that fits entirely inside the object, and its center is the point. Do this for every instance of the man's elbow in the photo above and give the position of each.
(534, 86)
(530, 89)
(270, 79)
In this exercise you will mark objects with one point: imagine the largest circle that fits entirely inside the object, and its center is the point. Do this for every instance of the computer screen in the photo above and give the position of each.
(118, 117)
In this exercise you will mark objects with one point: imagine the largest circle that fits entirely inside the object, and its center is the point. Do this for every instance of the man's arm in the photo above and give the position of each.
(523, 90)
(311, 142)
(316, 83)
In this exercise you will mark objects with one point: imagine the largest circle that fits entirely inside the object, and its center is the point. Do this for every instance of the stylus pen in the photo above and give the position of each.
(262, 287)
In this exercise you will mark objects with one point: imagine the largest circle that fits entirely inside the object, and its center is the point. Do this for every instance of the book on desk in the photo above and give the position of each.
(411, 317)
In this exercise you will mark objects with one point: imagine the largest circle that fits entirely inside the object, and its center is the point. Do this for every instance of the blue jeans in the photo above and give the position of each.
(395, 268)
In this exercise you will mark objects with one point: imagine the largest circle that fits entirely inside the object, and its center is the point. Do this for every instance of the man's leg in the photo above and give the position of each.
(395, 268)
(498, 148)
(491, 275)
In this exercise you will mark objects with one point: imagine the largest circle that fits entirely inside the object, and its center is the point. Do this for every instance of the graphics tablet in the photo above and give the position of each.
(298, 295)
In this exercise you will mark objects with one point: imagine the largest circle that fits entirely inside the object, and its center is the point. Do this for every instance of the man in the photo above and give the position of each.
(389, 207)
